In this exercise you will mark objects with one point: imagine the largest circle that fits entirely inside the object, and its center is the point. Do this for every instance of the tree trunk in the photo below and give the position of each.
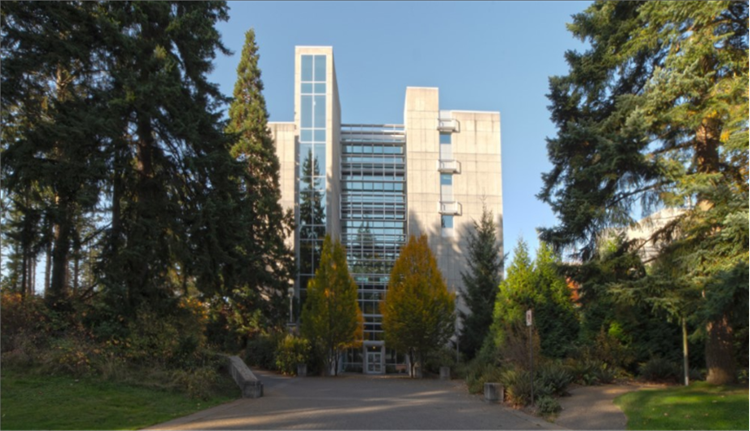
(59, 283)
(76, 265)
(720, 353)
(32, 277)
(48, 268)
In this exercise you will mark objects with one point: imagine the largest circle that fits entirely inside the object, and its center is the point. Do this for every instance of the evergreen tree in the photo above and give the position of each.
(515, 295)
(53, 127)
(331, 318)
(655, 112)
(171, 172)
(418, 311)
(537, 286)
(267, 268)
(481, 283)
(555, 317)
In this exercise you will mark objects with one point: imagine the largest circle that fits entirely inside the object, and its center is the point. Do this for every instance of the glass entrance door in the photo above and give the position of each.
(374, 360)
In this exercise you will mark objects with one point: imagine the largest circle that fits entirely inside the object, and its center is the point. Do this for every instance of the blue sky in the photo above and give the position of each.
(484, 56)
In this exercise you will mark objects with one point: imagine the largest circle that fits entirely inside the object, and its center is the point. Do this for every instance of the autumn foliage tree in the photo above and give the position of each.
(331, 318)
(418, 311)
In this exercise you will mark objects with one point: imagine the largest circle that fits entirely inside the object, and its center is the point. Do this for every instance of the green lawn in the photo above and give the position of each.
(31, 401)
(698, 406)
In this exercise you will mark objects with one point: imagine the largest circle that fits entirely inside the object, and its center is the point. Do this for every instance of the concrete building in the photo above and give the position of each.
(373, 185)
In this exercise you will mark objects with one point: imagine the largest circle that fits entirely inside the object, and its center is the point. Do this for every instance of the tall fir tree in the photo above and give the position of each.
(481, 282)
(418, 310)
(331, 317)
(53, 125)
(655, 113)
(171, 172)
(268, 266)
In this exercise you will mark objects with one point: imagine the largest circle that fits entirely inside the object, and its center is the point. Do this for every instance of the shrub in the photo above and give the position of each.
(547, 405)
(72, 354)
(518, 386)
(479, 372)
(291, 351)
(197, 383)
(605, 373)
(591, 371)
(659, 369)
(444, 357)
(261, 351)
(24, 323)
(554, 377)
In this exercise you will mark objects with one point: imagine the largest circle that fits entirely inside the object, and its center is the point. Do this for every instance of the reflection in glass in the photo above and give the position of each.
(319, 107)
(307, 112)
(320, 136)
(320, 68)
(307, 67)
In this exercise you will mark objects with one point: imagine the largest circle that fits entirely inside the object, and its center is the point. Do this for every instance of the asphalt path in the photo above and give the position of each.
(358, 402)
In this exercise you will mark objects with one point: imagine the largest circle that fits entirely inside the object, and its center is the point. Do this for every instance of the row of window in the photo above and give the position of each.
(380, 159)
(367, 186)
(372, 149)
(376, 176)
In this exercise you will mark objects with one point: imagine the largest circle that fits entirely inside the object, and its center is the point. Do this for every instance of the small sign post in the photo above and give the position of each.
(530, 323)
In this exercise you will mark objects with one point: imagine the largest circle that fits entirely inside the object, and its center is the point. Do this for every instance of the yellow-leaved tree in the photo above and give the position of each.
(331, 318)
(418, 311)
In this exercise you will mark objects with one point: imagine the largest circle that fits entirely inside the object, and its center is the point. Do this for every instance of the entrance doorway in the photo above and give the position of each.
(374, 360)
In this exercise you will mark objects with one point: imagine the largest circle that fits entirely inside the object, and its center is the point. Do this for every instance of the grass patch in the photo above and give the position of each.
(32, 401)
(698, 406)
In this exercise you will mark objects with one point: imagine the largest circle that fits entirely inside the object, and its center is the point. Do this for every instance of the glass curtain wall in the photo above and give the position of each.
(373, 220)
(312, 165)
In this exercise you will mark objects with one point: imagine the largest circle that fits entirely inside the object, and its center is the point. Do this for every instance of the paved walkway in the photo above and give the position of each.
(591, 408)
(358, 403)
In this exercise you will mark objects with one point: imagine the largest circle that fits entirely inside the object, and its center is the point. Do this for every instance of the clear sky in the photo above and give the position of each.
(483, 56)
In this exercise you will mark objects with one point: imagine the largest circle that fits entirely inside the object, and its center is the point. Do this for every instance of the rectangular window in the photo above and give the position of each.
(320, 136)
(446, 221)
(320, 68)
(320, 157)
(446, 187)
(307, 111)
(305, 160)
(307, 68)
(446, 152)
(319, 105)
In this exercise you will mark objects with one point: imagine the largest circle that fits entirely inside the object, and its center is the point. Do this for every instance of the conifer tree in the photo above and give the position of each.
(516, 294)
(418, 311)
(655, 113)
(268, 266)
(481, 283)
(555, 317)
(537, 286)
(331, 317)
(53, 125)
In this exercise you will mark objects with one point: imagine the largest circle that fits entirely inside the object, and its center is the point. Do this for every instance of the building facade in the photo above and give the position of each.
(373, 185)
